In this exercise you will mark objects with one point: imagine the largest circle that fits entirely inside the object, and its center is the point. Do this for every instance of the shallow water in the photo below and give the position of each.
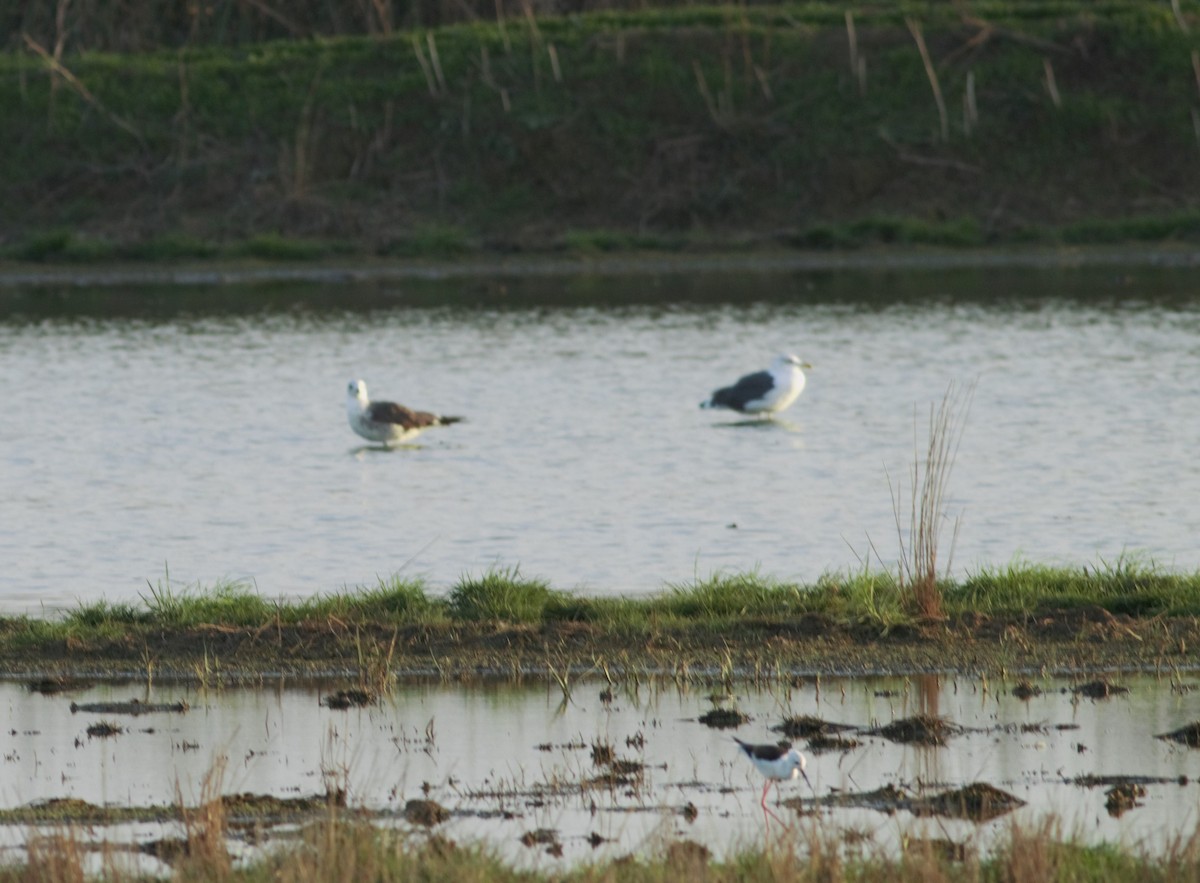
(508, 760)
(200, 431)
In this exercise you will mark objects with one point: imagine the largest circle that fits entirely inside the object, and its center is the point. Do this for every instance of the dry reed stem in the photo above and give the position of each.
(1179, 19)
(930, 478)
(702, 85)
(970, 109)
(1051, 83)
(436, 61)
(304, 144)
(500, 24)
(858, 61)
(485, 61)
(183, 119)
(852, 39)
(915, 29)
(430, 81)
(81, 90)
(764, 83)
(56, 857)
(205, 826)
(531, 17)
(385, 15)
(290, 26)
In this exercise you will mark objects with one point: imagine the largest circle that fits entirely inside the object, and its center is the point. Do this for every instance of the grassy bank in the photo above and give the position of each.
(1021, 618)
(816, 125)
(339, 849)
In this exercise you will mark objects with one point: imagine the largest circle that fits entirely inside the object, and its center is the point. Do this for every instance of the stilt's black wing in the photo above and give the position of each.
(764, 752)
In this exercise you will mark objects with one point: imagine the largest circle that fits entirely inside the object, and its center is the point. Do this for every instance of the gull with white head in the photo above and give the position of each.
(387, 422)
(764, 392)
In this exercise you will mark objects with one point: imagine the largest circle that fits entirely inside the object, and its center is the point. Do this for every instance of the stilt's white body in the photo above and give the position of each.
(777, 763)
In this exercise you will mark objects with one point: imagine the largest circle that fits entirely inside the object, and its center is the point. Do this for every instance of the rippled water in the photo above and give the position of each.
(509, 760)
(202, 430)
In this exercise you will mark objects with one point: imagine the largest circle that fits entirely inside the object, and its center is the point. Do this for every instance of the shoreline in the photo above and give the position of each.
(640, 263)
(1042, 644)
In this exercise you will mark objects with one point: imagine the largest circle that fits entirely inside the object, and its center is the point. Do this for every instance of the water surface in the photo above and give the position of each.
(508, 760)
(201, 431)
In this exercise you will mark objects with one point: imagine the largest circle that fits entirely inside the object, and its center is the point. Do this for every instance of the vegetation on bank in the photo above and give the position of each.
(246, 130)
(1125, 614)
(339, 849)
(506, 597)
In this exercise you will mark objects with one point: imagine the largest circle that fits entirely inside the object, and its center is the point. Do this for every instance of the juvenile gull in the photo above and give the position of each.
(763, 392)
(387, 422)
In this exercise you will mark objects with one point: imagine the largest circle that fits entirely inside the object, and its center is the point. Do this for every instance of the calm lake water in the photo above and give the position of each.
(200, 430)
(509, 760)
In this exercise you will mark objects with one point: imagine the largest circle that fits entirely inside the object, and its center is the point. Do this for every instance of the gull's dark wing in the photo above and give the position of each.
(390, 412)
(747, 389)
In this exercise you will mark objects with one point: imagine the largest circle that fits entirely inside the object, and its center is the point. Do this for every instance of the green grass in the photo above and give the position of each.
(430, 240)
(1128, 586)
(392, 600)
(1125, 586)
(503, 596)
(274, 247)
(690, 127)
(227, 603)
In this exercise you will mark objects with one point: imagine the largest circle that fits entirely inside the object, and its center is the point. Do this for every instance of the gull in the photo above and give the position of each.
(387, 422)
(776, 762)
(763, 392)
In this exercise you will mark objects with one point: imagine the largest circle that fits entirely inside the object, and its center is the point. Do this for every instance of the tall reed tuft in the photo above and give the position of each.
(930, 478)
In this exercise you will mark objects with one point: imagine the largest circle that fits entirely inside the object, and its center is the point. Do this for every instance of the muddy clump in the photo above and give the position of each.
(539, 837)
(805, 726)
(602, 754)
(1101, 689)
(1025, 690)
(921, 729)
(827, 744)
(977, 802)
(248, 808)
(620, 773)
(425, 812)
(1119, 799)
(133, 707)
(343, 699)
(687, 854)
(946, 850)
(168, 850)
(1188, 735)
(724, 718)
(886, 799)
(53, 686)
(1093, 781)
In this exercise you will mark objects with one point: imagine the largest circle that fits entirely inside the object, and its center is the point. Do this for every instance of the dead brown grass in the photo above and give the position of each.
(929, 480)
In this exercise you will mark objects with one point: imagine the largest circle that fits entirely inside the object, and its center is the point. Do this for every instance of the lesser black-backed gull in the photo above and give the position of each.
(763, 392)
(387, 422)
